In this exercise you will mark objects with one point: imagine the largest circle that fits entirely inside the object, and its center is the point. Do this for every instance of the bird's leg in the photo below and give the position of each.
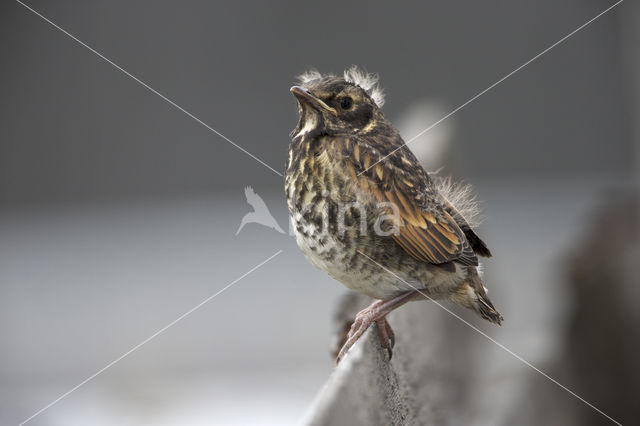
(376, 312)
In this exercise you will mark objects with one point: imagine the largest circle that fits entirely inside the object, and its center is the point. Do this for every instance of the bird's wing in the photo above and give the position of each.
(254, 200)
(249, 193)
(479, 247)
(426, 230)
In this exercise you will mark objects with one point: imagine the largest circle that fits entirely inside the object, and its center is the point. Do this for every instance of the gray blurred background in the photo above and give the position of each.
(118, 212)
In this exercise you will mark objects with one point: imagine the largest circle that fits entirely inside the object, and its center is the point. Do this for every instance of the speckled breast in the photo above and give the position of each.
(332, 221)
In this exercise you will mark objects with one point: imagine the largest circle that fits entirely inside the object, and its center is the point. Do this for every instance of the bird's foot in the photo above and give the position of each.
(376, 312)
(363, 320)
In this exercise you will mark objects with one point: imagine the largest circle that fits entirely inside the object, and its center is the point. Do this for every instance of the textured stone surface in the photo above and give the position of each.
(364, 390)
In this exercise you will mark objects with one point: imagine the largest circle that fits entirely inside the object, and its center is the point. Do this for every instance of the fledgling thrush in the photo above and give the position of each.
(364, 210)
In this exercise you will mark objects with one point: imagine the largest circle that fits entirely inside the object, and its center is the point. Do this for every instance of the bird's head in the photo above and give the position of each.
(331, 105)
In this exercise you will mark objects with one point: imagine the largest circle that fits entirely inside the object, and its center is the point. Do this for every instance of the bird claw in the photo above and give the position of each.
(387, 337)
(363, 320)
(361, 323)
(376, 312)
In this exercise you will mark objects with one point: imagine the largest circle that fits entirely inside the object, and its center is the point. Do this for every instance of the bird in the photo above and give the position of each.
(260, 213)
(364, 210)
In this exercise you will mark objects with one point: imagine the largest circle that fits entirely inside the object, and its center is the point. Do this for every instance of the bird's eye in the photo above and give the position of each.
(346, 103)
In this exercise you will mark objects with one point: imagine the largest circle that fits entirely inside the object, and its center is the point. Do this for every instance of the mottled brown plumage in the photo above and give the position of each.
(359, 199)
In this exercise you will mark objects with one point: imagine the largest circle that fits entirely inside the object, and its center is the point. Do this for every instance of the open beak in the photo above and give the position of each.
(304, 95)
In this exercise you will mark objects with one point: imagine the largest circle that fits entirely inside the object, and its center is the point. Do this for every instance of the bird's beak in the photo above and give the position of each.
(304, 95)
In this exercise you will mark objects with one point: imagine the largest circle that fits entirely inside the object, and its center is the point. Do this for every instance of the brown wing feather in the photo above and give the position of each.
(430, 239)
(427, 231)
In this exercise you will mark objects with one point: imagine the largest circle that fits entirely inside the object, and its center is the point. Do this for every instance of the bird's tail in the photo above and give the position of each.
(472, 294)
(486, 310)
(242, 223)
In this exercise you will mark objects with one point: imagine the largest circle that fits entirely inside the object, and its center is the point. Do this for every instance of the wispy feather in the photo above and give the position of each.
(354, 75)
(461, 196)
(369, 82)
(308, 76)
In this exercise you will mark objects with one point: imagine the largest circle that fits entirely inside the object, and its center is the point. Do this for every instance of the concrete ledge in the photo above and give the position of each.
(364, 389)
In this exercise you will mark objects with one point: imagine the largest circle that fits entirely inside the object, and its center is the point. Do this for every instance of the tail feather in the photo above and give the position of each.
(478, 246)
(472, 294)
(486, 309)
